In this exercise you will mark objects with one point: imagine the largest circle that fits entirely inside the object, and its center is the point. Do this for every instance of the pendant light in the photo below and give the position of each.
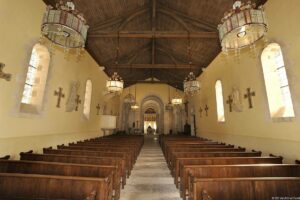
(135, 106)
(177, 100)
(115, 83)
(191, 85)
(242, 26)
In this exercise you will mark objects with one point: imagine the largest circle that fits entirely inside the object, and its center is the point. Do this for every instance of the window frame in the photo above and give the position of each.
(220, 101)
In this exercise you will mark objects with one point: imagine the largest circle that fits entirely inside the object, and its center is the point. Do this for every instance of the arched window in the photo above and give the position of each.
(220, 103)
(87, 99)
(276, 81)
(36, 78)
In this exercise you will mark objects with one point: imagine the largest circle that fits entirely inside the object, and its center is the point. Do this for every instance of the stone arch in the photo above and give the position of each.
(161, 117)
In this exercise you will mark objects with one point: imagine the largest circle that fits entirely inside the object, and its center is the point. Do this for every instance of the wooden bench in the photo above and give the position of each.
(125, 158)
(196, 172)
(29, 186)
(262, 188)
(64, 169)
(126, 150)
(181, 162)
(106, 161)
(177, 151)
(176, 156)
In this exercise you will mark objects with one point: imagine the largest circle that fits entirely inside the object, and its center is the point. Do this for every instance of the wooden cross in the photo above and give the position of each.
(229, 102)
(3, 75)
(60, 95)
(78, 101)
(206, 110)
(200, 111)
(249, 96)
(98, 109)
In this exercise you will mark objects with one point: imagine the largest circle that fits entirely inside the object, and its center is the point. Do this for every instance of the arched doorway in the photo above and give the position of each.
(155, 104)
(150, 121)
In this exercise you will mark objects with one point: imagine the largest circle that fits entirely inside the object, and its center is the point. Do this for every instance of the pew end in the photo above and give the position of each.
(272, 155)
(243, 148)
(31, 151)
(49, 148)
(7, 157)
(59, 146)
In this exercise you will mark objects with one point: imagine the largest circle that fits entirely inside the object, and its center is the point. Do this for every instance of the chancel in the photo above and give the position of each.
(149, 99)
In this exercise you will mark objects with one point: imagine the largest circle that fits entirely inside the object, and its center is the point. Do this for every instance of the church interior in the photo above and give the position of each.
(149, 100)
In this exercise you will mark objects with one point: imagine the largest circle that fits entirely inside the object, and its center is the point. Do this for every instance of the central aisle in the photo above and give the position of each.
(150, 178)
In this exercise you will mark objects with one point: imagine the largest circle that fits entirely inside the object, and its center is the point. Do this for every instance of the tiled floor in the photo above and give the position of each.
(150, 178)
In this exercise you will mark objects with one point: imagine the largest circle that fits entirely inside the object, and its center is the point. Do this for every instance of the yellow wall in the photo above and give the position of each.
(253, 128)
(20, 30)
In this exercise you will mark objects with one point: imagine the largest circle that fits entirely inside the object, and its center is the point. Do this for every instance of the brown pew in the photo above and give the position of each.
(262, 188)
(106, 161)
(175, 156)
(64, 169)
(221, 161)
(125, 158)
(176, 151)
(230, 171)
(29, 186)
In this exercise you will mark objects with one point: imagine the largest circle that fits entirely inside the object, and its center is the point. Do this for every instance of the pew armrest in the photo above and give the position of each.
(7, 157)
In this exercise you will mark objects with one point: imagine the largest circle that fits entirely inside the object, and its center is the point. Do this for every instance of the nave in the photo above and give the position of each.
(150, 178)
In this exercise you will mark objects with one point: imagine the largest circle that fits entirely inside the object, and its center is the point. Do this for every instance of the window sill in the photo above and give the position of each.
(283, 119)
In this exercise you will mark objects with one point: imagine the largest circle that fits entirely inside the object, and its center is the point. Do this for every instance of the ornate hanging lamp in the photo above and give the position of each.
(242, 26)
(135, 105)
(65, 26)
(191, 85)
(115, 83)
(177, 100)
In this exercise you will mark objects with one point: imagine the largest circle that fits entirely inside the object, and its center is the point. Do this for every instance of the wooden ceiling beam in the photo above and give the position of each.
(154, 66)
(118, 20)
(154, 34)
(191, 20)
(153, 30)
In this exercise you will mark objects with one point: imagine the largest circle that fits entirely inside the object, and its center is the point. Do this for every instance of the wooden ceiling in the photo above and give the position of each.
(153, 36)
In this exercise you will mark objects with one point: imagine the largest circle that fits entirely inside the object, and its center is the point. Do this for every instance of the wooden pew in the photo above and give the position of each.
(106, 145)
(65, 169)
(177, 151)
(29, 186)
(181, 162)
(126, 150)
(259, 188)
(175, 156)
(230, 171)
(106, 161)
(125, 158)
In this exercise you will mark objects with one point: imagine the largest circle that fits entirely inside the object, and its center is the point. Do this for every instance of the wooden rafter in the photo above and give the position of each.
(155, 34)
(154, 66)
(121, 20)
(194, 21)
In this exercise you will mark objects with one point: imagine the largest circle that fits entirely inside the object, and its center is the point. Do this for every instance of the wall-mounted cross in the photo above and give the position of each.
(3, 75)
(60, 95)
(206, 110)
(230, 102)
(200, 111)
(98, 109)
(78, 101)
(249, 96)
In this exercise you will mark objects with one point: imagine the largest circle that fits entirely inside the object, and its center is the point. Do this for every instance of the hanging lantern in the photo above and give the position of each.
(177, 100)
(242, 26)
(191, 85)
(65, 26)
(135, 105)
(115, 83)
